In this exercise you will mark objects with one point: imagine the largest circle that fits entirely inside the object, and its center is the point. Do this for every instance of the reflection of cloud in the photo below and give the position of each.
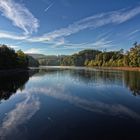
(13, 122)
(19, 115)
(94, 106)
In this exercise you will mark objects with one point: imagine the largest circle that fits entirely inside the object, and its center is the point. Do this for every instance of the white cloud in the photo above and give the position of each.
(95, 21)
(100, 42)
(97, 44)
(19, 15)
(12, 36)
(46, 9)
(34, 50)
(133, 32)
(62, 44)
(57, 38)
(14, 46)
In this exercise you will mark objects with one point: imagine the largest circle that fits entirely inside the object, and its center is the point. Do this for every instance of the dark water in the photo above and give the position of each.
(70, 104)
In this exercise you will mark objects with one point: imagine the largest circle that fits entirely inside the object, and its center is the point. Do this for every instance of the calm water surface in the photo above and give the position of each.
(53, 103)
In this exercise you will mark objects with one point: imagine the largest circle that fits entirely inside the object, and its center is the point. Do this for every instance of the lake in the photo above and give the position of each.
(69, 103)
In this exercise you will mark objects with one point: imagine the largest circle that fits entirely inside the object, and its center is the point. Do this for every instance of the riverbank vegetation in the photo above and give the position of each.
(95, 58)
(11, 59)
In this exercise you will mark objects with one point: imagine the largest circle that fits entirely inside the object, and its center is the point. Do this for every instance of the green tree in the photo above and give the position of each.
(22, 59)
(9, 59)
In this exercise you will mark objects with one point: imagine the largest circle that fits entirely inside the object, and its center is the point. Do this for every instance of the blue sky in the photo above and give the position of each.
(68, 26)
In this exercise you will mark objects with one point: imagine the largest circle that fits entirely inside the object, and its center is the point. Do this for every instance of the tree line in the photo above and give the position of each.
(11, 59)
(104, 59)
(65, 60)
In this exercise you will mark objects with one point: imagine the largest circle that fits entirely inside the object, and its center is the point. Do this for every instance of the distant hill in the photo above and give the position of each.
(49, 60)
(36, 56)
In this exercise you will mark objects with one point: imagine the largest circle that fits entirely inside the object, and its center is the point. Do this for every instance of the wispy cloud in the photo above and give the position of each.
(46, 9)
(19, 15)
(97, 44)
(34, 50)
(57, 38)
(133, 32)
(95, 21)
(12, 36)
(14, 47)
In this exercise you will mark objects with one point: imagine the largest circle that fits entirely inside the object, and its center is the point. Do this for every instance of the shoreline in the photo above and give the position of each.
(13, 71)
(120, 68)
(101, 68)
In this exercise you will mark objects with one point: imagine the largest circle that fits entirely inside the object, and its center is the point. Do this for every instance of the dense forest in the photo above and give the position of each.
(63, 60)
(10, 59)
(93, 58)
(104, 59)
(80, 59)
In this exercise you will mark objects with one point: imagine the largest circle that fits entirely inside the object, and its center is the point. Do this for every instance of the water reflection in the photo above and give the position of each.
(60, 93)
(10, 83)
(50, 92)
(23, 111)
(132, 81)
(12, 123)
(91, 78)
(101, 77)
(129, 79)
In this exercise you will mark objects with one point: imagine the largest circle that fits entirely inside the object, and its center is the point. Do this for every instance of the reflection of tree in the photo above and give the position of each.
(132, 81)
(45, 71)
(12, 82)
(102, 77)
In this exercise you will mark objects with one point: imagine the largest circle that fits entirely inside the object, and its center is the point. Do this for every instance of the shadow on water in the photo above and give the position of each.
(10, 83)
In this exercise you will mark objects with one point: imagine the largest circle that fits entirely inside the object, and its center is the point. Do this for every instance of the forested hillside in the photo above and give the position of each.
(94, 58)
(79, 59)
(105, 59)
(117, 58)
(10, 59)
